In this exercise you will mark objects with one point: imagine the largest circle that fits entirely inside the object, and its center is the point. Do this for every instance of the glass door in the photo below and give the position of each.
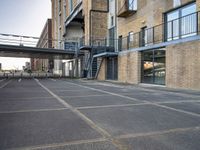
(112, 68)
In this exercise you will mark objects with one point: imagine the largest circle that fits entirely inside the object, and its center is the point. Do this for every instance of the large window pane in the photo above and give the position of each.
(189, 21)
(153, 67)
(111, 37)
(132, 4)
(147, 64)
(173, 25)
(159, 67)
(181, 22)
(188, 10)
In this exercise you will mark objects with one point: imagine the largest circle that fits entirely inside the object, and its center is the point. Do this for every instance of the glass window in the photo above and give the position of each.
(130, 39)
(181, 22)
(148, 36)
(173, 25)
(112, 21)
(70, 5)
(112, 37)
(132, 4)
(130, 36)
(153, 66)
(188, 21)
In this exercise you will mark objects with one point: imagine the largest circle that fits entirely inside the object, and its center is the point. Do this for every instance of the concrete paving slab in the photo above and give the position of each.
(174, 90)
(77, 93)
(120, 90)
(60, 88)
(139, 119)
(5, 95)
(41, 128)
(25, 98)
(98, 101)
(191, 107)
(29, 83)
(32, 104)
(87, 146)
(21, 90)
(160, 97)
(188, 140)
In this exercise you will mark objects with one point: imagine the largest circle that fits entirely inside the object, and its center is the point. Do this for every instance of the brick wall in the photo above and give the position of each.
(102, 71)
(129, 67)
(149, 13)
(182, 65)
(95, 22)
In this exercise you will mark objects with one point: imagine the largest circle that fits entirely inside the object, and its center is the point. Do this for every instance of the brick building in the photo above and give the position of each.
(159, 43)
(133, 41)
(45, 41)
(75, 22)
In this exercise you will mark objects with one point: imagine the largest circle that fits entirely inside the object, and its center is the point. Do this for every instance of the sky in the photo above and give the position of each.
(22, 17)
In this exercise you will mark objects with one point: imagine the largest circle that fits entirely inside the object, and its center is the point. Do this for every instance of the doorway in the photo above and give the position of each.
(112, 68)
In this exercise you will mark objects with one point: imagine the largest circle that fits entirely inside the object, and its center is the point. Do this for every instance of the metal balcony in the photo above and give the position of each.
(127, 8)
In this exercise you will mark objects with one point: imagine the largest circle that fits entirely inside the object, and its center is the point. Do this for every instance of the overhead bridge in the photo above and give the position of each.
(34, 52)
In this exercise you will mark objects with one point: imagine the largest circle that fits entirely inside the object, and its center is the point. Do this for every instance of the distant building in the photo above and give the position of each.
(45, 41)
(27, 65)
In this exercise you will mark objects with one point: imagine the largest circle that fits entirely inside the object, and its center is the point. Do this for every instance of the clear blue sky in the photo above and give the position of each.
(23, 17)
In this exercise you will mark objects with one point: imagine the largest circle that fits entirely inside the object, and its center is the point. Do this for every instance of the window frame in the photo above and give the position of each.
(180, 27)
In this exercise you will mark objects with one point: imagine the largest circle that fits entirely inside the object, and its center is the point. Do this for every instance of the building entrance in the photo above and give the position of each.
(112, 68)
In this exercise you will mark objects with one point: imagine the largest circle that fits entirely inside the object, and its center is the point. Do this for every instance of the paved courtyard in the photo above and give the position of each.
(63, 114)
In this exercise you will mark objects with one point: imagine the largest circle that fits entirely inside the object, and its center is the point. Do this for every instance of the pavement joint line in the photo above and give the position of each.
(32, 110)
(55, 145)
(158, 105)
(164, 92)
(100, 130)
(84, 96)
(177, 110)
(112, 106)
(29, 98)
(20, 80)
(158, 132)
(102, 91)
(4, 85)
(144, 89)
(177, 102)
(70, 90)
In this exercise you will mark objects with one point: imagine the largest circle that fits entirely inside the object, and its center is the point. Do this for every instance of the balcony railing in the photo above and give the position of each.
(183, 27)
(98, 42)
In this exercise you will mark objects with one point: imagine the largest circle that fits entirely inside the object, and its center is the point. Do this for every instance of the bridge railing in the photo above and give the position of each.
(17, 40)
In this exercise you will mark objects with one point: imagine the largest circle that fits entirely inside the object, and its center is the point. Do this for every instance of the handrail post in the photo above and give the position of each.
(153, 35)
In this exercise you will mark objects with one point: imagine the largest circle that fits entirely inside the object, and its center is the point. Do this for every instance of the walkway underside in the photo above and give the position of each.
(33, 52)
(55, 114)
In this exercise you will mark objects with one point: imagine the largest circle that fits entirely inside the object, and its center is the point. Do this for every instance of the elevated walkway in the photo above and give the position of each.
(34, 52)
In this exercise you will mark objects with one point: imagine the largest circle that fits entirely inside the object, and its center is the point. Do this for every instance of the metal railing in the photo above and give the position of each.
(183, 27)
